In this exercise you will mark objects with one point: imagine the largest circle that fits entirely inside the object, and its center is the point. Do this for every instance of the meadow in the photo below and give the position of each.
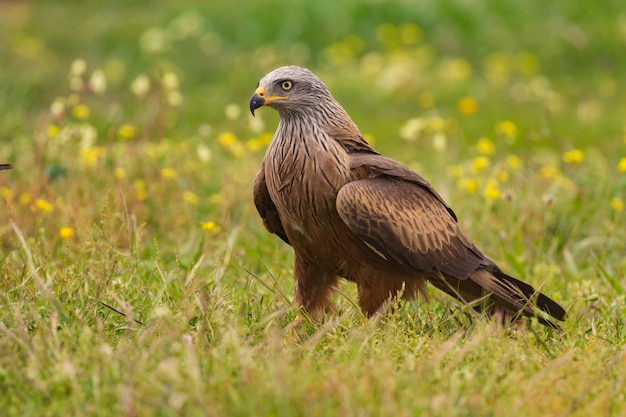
(136, 277)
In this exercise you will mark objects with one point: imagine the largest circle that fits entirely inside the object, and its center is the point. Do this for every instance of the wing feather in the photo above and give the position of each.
(409, 224)
(265, 206)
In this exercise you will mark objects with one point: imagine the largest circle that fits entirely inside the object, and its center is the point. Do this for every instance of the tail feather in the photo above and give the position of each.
(543, 302)
(5, 166)
(504, 293)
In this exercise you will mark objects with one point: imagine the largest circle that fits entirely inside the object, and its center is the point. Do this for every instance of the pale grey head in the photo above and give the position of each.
(290, 90)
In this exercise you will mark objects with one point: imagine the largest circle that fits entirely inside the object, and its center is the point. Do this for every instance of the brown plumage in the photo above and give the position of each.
(350, 212)
(5, 166)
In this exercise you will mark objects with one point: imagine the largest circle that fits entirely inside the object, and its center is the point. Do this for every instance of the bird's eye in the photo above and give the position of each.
(286, 85)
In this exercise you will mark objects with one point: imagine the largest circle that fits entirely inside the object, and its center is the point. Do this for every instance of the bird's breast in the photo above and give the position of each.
(303, 176)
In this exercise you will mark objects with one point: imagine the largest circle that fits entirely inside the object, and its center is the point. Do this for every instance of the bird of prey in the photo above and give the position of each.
(5, 166)
(353, 213)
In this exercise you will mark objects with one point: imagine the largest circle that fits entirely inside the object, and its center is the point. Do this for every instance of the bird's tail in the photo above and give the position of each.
(503, 293)
(5, 166)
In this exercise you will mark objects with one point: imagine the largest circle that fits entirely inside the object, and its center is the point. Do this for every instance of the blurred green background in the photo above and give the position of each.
(134, 155)
(490, 50)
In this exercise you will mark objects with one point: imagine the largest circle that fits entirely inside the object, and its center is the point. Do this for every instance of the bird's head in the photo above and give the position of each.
(289, 90)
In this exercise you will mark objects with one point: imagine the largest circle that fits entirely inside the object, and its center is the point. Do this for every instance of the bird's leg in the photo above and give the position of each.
(313, 288)
(371, 300)
(376, 293)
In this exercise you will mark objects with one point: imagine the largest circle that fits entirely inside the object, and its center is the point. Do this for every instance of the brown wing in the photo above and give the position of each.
(409, 224)
(265, 206)
(369, 165)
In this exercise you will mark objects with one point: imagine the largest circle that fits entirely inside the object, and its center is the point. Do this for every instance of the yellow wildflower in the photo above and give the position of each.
(550, 172)
(467, 106)
(25, 198)
(436, 124)
(66, 232)
(226, 139)
(140, 190)
(574, 156)
(491, 190)
(468, 184)
(237, 149)
(507, 128)
(43, 205)
(617, 204)
(456, 171)
(503, 175)
(229, 141)
(479, 163)
(254, 145)
(6, 193)
(514, 162)
(621, 165)
(191, 198)
(485, 146)
(210, 226)
(52, 131)
(266, 138)
(119, 173)
(89, 157)
(126, 131)
(80, 111)
(168, 173)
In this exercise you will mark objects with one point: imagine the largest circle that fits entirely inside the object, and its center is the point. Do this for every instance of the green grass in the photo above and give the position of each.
(137, 279)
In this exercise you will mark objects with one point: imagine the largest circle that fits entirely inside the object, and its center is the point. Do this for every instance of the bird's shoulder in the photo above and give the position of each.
(364, 165)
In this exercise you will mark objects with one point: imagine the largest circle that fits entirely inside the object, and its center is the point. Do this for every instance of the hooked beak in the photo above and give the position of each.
(259, 98)
(256, 101)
